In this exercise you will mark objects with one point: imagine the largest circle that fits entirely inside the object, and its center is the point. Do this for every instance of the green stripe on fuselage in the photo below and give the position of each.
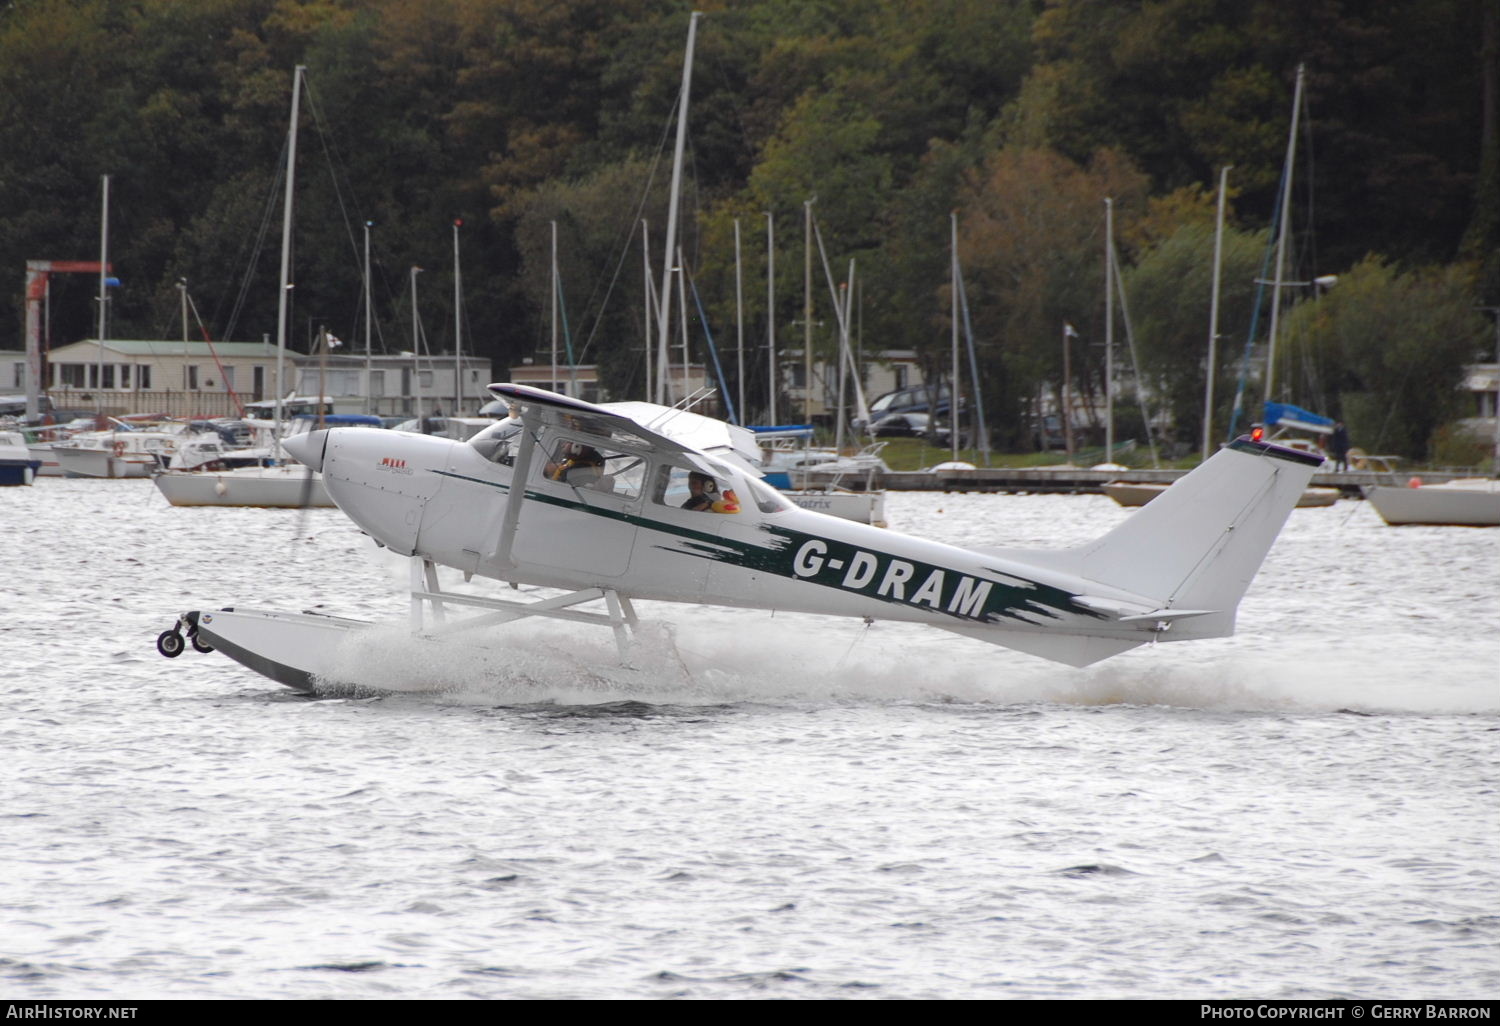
(869, 573)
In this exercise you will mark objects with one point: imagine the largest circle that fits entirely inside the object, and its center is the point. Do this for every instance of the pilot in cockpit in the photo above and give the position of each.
(575, 463)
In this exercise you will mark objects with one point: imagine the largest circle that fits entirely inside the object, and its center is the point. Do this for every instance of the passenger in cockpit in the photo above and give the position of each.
(705, 496)
(703, 490)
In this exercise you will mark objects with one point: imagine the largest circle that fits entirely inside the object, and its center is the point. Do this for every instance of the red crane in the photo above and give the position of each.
(37, 273)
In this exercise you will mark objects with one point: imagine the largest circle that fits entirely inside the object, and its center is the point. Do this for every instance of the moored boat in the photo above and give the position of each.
(861, 507)
(1138, 493)
(788, 458)
(280, 487)
(253, 477)
(17, 465)
(40, 440)
(115, 454)
(47, 465)
(1469, 502)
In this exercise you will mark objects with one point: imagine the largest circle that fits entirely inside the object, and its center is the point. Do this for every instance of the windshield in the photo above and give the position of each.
(767, 499)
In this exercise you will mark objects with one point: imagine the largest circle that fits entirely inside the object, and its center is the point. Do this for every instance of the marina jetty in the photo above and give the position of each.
(1083, 480)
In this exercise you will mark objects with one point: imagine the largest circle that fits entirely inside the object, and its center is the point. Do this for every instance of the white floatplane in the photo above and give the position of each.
(626, 501)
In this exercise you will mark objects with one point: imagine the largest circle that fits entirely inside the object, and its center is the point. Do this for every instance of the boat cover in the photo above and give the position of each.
(1287, 415)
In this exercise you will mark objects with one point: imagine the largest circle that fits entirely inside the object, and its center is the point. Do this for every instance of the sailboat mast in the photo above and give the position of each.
(981, 429)
(953, 279)
(646, 290)
(416, 345)
(807, 362)
(1281, 234)
(369, 399)
(1213, 314)
(842, 310)
(771, 318)
(841, 304)
(669, 247)
(103, 297)
(739, 315)
(286, 242)
(848, 356)
(1109, 330)
(552, 277)
(682, 317)
(458, 325)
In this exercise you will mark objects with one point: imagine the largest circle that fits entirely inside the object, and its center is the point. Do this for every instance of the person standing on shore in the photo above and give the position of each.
(1338, 446)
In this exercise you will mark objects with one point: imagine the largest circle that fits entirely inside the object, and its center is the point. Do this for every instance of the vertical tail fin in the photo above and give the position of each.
(1187, 557)
(1199, 544)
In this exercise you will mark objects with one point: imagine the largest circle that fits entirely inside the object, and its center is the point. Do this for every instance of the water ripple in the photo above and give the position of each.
(782, 807)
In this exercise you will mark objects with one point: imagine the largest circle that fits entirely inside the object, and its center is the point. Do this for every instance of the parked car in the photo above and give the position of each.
(1049, 435)
(907, 425)
(460, 429)
(908, 400)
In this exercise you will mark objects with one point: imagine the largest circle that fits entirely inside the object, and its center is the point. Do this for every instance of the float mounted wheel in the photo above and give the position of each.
(170, 644)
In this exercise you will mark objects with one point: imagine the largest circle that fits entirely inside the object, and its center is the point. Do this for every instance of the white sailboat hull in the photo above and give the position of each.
(42, 452)
(1458, 503)
(77, 461)
(1133, 493)
(293, 487)
(860, 507)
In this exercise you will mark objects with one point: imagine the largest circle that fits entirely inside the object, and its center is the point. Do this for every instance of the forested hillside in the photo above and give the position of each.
(1020, 116)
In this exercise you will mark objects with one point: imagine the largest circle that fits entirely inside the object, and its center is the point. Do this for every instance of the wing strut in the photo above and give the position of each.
(521, 473)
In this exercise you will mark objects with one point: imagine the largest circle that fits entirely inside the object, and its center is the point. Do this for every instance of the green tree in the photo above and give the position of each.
(1033, 251)
(1169, 290)
(599, 263)
(1185, 86)
(1387, 349)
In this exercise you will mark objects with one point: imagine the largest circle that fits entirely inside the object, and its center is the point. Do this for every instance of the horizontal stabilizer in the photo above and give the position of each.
(1168, 614)
(1128, 612)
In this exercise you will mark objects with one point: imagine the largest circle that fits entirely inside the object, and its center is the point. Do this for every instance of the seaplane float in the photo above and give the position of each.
(618, 502)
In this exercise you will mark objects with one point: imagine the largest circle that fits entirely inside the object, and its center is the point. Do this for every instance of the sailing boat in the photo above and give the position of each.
(1279, 414)
(789, 466)
(783, 449)
(282, 485)
(1276, 414)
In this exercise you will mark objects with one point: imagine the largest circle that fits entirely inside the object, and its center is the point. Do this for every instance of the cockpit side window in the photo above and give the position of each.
(683, 488)
(577, 462)
(767, 499)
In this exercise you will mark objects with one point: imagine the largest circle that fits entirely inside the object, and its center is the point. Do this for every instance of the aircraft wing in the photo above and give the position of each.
(681, 433)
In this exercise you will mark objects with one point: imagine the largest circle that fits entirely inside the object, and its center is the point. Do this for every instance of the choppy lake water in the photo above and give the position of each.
(779, 807)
